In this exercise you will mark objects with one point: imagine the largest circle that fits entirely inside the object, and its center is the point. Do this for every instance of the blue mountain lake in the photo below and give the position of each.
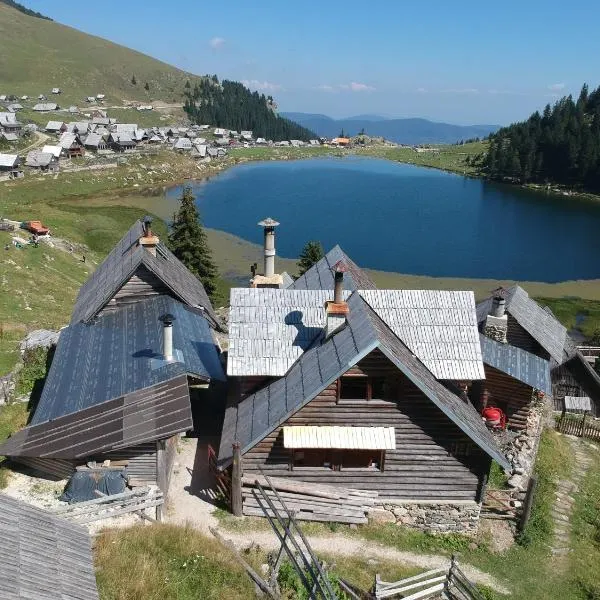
(408, 219)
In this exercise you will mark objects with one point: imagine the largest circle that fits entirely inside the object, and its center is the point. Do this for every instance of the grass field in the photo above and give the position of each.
(79, 64)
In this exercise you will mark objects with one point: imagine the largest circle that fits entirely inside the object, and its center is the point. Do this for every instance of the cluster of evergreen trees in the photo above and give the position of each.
(25, 10)
(232, 106)
(562, 145)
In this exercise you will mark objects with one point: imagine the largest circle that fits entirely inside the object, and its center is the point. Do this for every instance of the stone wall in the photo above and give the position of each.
(435, 517)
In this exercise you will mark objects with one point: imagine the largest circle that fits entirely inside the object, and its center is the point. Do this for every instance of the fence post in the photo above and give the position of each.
(583, 424)
(562, 420)
(236, 481)
(528, 502)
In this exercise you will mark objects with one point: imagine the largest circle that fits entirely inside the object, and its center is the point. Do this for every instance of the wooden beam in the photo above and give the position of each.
(236, 481)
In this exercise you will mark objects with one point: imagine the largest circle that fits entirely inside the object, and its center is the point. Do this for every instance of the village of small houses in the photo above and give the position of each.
(307, 410)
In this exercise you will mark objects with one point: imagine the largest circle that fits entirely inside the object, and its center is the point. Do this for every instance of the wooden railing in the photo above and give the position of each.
(222, 478)
(579, 425)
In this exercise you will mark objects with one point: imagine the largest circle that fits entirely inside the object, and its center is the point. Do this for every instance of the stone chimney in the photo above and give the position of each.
(167, 321)
(148, 240)
(336, 310)
(496, 322)
(269, 278)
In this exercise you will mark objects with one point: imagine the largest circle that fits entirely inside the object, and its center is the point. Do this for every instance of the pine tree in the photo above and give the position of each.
(146, 87)
(311, 254)
(187, 85)
(133, 80)
(187, 241)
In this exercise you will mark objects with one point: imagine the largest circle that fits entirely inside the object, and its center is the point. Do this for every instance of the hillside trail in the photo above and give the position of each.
(42, 138)
(192, 500)
(564, 499)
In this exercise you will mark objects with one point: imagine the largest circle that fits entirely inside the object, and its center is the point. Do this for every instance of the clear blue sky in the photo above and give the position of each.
(461, 62)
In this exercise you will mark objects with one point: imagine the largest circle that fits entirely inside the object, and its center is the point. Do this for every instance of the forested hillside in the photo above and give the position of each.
(562, 145)
(231, 105)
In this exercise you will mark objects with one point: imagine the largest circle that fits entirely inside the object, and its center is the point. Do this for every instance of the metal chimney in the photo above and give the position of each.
(498, 306)
(338, 309)
(269, 247)
(167, 321)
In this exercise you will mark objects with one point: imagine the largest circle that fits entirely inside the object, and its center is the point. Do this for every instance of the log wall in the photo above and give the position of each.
(141, 463)
(433, 460)
(142, 284)
(509, 394)
(165, 457)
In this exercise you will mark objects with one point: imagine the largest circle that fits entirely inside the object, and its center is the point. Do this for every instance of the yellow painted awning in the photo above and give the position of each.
(342, 438)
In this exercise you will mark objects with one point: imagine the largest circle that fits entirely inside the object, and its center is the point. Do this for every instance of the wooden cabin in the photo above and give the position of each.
(514, 319)
(117, 388)
(352, 396)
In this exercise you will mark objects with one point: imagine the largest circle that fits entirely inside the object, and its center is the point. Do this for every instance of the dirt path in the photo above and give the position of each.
(42, 138)
(564, 500)
(191, 500)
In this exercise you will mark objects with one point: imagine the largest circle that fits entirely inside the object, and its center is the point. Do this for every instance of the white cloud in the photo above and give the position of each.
(421, 90)
(216, 43)
(347, 87)
(361, 87)
(461, 91)
(556, 87)
(261, 86)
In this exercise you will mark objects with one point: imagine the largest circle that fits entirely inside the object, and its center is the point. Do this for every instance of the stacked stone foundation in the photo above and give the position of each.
(435, 517)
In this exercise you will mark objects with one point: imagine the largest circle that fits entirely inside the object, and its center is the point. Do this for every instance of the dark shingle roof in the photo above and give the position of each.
(116, 355)
(257, 415)
(146, 415)
(43, 556)
(541, 324)
(320, 275)
(517, 363)
(122, 263)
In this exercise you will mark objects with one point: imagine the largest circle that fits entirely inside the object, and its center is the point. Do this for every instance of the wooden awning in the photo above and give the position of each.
(343, 438)
(577, 403)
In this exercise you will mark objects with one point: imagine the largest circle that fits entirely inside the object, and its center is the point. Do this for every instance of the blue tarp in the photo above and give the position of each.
(83, 484)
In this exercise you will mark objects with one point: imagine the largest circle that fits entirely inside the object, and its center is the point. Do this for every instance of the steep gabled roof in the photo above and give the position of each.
(438, 326)
(250, 420)
(43, 556)
(519, 364)
(270, 328)
(120, 353)
(320, 275)
(145, 415)
(122, 262)
(540, 323)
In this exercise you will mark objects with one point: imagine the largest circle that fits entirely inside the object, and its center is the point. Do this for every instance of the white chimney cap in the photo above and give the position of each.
(268, 222)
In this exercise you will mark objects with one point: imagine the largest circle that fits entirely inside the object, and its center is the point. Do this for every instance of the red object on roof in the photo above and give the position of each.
(36, 227)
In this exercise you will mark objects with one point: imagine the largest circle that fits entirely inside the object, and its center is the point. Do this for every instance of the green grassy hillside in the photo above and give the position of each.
(37, 55)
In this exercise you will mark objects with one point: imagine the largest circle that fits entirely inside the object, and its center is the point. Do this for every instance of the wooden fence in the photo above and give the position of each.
(222, 478)
(581, 426)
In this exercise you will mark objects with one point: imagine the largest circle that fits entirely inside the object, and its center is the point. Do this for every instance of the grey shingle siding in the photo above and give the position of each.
(43, 556)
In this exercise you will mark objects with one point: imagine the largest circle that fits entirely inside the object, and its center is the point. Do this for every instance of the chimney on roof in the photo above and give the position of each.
(269, 278)
(336, 310)
(167, 321)
(496, 322)
(269, 247)
(148, 240)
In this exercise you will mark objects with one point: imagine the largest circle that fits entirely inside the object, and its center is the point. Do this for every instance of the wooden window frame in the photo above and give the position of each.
(335, 461)
(369, 398)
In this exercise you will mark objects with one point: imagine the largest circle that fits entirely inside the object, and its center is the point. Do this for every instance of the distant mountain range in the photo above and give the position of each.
(402, 131)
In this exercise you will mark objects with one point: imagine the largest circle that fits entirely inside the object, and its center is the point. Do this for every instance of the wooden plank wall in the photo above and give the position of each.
(55, 467)
(517, 336)
(142, 284)
(423, 465)
(141, 463)
(165, 457)
(509, 394)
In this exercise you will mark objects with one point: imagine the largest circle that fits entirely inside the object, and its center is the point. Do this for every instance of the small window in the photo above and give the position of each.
(359, 388)
(354, 388)
(338, 460)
